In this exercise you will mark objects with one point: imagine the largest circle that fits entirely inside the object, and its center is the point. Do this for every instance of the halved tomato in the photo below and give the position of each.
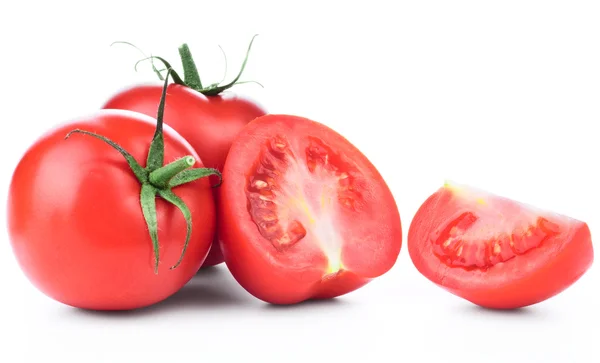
(494, 251)
(304, 213)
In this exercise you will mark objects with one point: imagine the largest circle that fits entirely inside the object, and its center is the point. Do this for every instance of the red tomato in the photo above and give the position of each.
(496, 252)
(76, 225)
(209, 123)
(304, 213)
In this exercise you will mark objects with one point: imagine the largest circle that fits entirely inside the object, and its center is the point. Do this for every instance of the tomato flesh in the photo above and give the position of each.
(305, 214)
(209, 124)
(496, 252)
(300, 197)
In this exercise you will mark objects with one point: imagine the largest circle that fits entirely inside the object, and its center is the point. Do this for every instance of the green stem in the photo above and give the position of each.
(190, 71)
(160, 177)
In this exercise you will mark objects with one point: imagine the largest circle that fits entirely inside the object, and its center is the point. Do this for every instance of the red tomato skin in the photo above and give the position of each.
(209, 124)
(567, 257)
(76, 225)
(267, 276)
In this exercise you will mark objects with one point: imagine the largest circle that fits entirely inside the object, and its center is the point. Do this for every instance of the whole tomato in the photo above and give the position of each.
(92, 228)
(207, 118)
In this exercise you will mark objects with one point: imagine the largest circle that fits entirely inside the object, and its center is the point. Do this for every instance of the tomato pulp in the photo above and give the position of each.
(494, 251)
(76, 225)
(304, 214)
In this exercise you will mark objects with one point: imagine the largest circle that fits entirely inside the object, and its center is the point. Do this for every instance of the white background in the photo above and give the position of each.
(503, 95)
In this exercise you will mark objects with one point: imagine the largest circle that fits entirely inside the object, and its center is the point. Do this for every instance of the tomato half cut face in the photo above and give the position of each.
(305, 214)
(494, 251)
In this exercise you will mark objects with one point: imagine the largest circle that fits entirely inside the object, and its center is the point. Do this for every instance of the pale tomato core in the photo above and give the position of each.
(488, 231)
(296, 192)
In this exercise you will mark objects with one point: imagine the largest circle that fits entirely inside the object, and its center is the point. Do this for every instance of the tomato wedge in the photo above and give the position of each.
(304, 214)
(494, 251)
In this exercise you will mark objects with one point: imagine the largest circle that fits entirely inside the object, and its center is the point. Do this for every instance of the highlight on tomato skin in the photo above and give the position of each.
(304, 214)
(496, 252)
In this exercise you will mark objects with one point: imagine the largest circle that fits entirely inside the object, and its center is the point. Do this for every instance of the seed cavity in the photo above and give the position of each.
(460, 243)
(278, 144)
(262, 194)
(295, 189)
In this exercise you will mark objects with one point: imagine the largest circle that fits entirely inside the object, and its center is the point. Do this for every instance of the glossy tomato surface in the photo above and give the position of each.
(494, 251)
(304, 214)
(76, 224)
(209, 124)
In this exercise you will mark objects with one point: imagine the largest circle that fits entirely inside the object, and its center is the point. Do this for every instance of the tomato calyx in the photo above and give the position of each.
(157, 179)
(191, 76)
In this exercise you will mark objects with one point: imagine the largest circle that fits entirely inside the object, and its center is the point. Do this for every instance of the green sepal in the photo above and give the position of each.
(190, 175)
(170, 197)
(215, 89)
(176, 78)
(157, 71)
(148, 203)
(138, 170)
(190, 72)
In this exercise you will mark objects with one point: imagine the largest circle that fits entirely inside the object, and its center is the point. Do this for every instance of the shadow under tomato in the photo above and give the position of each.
(210, 269)
(212, 289)
(528, 312)
(307, 305)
